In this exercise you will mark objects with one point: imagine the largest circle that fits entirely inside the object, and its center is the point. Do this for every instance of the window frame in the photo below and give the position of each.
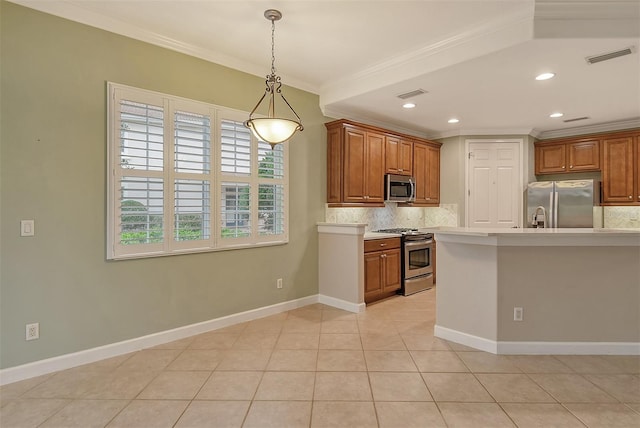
(170, 246)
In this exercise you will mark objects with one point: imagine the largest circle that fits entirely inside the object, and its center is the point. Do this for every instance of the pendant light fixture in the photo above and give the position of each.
(272, 129)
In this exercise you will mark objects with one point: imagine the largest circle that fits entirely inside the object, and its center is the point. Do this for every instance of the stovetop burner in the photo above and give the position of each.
(397, 230)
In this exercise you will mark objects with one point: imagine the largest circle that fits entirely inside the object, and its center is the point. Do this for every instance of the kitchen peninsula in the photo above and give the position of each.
(577, 290)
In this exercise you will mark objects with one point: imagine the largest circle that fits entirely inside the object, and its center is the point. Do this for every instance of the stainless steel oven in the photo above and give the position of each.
(417, 256)
(417, 267)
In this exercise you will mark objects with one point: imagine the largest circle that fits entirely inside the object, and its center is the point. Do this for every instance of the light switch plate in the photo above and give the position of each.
(27, 228)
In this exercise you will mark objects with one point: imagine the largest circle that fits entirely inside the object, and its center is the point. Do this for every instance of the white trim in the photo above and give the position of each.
(67, 361)
(619, 125)
(465, 339)
(504, 31)
(470, 132)
(569, 348)
(342, 304)
(537, 348)
(78, 13)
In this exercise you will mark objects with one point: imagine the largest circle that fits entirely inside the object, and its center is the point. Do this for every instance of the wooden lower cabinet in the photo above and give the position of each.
(382, 269)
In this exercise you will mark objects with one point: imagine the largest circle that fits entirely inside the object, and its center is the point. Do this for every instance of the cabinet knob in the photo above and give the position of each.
(562, 166)
(401, 170)
(571, 166)
(383, 245)
(630, 197)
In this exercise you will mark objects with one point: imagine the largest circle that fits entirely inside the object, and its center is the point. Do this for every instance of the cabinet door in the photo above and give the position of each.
(392, 274)
(420, 159)
(637, 168)
(372, 276)
(392, 155)
(617, 170)
(550, 159)
(374, 167)
(433, 175)
(334, 165)
(355, 152)
(405, 157)
(584, 156)
(426, 171)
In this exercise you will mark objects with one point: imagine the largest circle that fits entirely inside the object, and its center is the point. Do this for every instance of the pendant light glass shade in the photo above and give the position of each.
(272, 129)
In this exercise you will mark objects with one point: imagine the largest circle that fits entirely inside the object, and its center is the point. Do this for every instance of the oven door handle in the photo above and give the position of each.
(424, 243)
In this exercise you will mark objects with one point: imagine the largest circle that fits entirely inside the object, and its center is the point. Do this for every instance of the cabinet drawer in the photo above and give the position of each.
(381, 244)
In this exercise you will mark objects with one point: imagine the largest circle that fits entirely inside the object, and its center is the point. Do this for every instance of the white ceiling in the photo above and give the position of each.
(476, 59)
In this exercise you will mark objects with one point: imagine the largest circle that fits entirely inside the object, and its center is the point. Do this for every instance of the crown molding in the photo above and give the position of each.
(587, 9)
(482, 132)
(591, 129)
(343, 114)
(76, 13)
(502, 32)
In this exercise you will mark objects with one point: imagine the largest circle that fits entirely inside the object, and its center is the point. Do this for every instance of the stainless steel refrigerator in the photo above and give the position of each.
(567, 203)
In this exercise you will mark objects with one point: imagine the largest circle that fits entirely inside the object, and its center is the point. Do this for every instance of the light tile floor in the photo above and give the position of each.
(322, 367)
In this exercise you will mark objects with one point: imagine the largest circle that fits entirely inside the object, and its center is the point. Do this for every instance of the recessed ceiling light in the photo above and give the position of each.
(545, 76)
(408, 105)
(556, 115)
(454, 120)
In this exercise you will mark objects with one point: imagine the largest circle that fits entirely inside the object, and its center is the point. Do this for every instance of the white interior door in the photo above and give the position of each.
(494, 181)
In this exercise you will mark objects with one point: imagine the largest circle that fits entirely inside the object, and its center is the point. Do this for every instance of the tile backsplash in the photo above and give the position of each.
(447, 215)
(621, 217)
(393, 216)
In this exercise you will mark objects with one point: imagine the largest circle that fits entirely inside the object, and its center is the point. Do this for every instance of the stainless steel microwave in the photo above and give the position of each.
(399, 188)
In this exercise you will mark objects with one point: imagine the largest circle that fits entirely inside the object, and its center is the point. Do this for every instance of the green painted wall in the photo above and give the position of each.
(53, 163)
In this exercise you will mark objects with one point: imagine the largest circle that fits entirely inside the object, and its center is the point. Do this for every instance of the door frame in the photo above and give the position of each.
(467, 143)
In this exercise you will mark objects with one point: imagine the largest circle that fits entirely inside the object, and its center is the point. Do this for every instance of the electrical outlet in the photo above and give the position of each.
(279, 283)
(33, 331)
(517, 314)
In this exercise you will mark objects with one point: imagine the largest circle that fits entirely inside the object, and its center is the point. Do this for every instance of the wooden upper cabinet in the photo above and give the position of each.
(584, 156)
(374, 167)
(359, 155)
(334, 165)
(354, 165)
(637, 168)
(550, 159)
(398, 156)
(619, 170)
(567, 156)
(426, 171)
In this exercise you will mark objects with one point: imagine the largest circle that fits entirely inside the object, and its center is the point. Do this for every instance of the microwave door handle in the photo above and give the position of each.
(413, 190)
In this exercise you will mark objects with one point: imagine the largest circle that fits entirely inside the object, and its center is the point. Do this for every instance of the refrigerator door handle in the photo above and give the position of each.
(555, 210)
(551, 210)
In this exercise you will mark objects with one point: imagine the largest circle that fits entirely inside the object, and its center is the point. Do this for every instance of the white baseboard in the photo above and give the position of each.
(476, 342)
(538, 348)
(67, 361)
(341, 304)
(569, 348)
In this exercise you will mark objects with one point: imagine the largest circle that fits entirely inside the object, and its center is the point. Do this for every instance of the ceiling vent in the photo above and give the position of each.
(610, 55)
(412, 94)
(576, 119)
